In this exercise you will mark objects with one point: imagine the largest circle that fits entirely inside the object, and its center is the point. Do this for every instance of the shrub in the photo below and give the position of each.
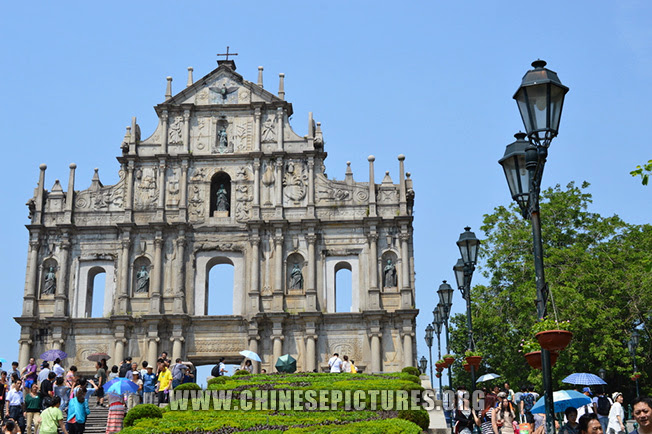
(241, 372)
(420, 417)
(142, 411)
(411, 370)
(188, 386)
(217, 380)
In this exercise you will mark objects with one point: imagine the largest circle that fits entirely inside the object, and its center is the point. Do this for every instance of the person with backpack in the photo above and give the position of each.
(602, 405)
(219, 369)
(527, 402)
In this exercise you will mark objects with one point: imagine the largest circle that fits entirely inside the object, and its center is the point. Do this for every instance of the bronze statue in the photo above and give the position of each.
(142, 280)
(222, 199)
(389, 272)
(296, 278)
(50, 286)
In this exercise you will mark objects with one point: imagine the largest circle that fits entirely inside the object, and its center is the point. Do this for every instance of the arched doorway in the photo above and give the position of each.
(343, 287)
(219, 288)
(96, 292)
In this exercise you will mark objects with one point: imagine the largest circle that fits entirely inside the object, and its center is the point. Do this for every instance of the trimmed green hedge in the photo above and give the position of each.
(411, 370)
(188, 386)
(142, 411)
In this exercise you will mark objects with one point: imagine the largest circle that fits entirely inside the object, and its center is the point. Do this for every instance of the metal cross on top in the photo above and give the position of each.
(227, 54)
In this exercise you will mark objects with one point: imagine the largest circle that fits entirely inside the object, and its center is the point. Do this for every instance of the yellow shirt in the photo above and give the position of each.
(164, 379)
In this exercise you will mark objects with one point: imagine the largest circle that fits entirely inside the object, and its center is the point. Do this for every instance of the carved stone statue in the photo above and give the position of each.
(269, 134)
(142, 280)
(296, 278)
(50, 286)
(389, 272)
(222, 139)
(222, 199)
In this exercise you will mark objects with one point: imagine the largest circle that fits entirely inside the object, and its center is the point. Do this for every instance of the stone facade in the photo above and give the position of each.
(223, 179)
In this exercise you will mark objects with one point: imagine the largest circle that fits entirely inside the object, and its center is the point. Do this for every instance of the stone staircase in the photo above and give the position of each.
(96, 421)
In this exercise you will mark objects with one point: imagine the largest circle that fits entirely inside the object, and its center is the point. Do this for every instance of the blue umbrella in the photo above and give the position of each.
(251, 355)
(119, 386)
(2, 360)
(563, 399)
(53, 355)
(584, 379)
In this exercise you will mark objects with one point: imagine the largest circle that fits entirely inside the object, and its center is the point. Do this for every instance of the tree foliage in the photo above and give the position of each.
(598, 278)
(643, 171)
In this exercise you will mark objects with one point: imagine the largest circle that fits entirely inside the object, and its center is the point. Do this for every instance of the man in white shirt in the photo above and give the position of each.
(588, 408)
(45, 371)
(335, 363)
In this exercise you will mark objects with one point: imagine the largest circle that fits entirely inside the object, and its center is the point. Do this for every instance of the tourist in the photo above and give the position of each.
(602, 404)
(77, 413)
(588, 408)
(335, 363)
(125, 367)
(57, 368)
(133, 399)
(47, 390)
(114, 373)
(62, 391)
(14, 408)
(616, 415)
(509, 391)
(32, 409)
(116, 414)
(527, 402)
(517, 396)
(642, 412)
(190, 373)
(10, 427)
(70, 376)
(164, 383)
(505, 416)
(44, 372)
(101, 378)
(571, 426)
(177, 373)
(465, 418)
(4, 388)
(354, 370)
(149, 386)
(130, 373)
(28, 374)
(52, 418)
(13, 372)
(248, 366)
(589, 424)
(143, 371)
(346, 365)
(487, 419)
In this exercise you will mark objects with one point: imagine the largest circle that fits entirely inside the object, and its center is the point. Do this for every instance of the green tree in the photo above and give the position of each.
(643, 171)
(596, 271)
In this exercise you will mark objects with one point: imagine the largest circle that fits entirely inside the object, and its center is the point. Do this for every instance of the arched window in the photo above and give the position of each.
(343, 287)
(221, 195)
(96, 293)
(219, 288)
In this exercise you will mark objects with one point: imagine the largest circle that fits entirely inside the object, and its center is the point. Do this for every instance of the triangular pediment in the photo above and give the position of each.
(222, 86)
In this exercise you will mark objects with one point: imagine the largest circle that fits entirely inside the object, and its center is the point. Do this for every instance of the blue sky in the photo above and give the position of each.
(432, 80)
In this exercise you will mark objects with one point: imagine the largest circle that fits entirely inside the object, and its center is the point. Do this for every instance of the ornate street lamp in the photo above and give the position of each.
(429, 331)
(632, 345)
(469, 246)
(423, 365)
(437, 322)
(540, 100)
(446, 301)
(602, 373)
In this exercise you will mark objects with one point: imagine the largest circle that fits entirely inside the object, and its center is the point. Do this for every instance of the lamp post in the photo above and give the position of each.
(446, 301)
(429, 331)
(540, 99)
(437, 322)
(423, 365)
(631, 345)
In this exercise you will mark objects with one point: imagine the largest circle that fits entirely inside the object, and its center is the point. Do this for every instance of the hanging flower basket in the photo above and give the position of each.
(474, 360)
(438, 375)
(554, 340)
(449, 360)
(440, 365)
(534, 359)
(633, 378)
(439, 368)
(467, 367)
(636, 375)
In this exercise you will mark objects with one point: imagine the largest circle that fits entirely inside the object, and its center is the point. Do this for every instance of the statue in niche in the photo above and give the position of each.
(175, 131)
(222, 140)
(50, 286)
(296, 278)
(269, 135)
(142, 280)
(389, 272)
(222, 199)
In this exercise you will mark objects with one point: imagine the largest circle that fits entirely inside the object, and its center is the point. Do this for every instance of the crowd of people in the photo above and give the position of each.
(509, 412)
(49, 398)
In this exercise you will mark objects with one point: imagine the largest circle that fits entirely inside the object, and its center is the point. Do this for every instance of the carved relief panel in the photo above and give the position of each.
(146, 188)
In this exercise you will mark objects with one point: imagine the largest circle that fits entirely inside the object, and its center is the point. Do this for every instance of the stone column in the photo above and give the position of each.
(57, 344)
(31, 279)
(119, 352)
(310, 352)
(129, 190)
(279, 135)
(407, 348)
(123, 275)
(257, 129)
(277, 302)
(402, 202)
(38, 213)
(24, 352)
(70, 194)
(164, 128)
(152, 350)
(160, 205)
(186, 131)
(277, 348)
(279, 188)
(374, 291)
(254, 291)
(311, 291)
(157, 276)
(375, 352)
(405, 260)
(61, 297)
(256, 204)
(253, 346)
(372, 187)
(311, 187)
(177, 346)
(180, 290)
(183, 191)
